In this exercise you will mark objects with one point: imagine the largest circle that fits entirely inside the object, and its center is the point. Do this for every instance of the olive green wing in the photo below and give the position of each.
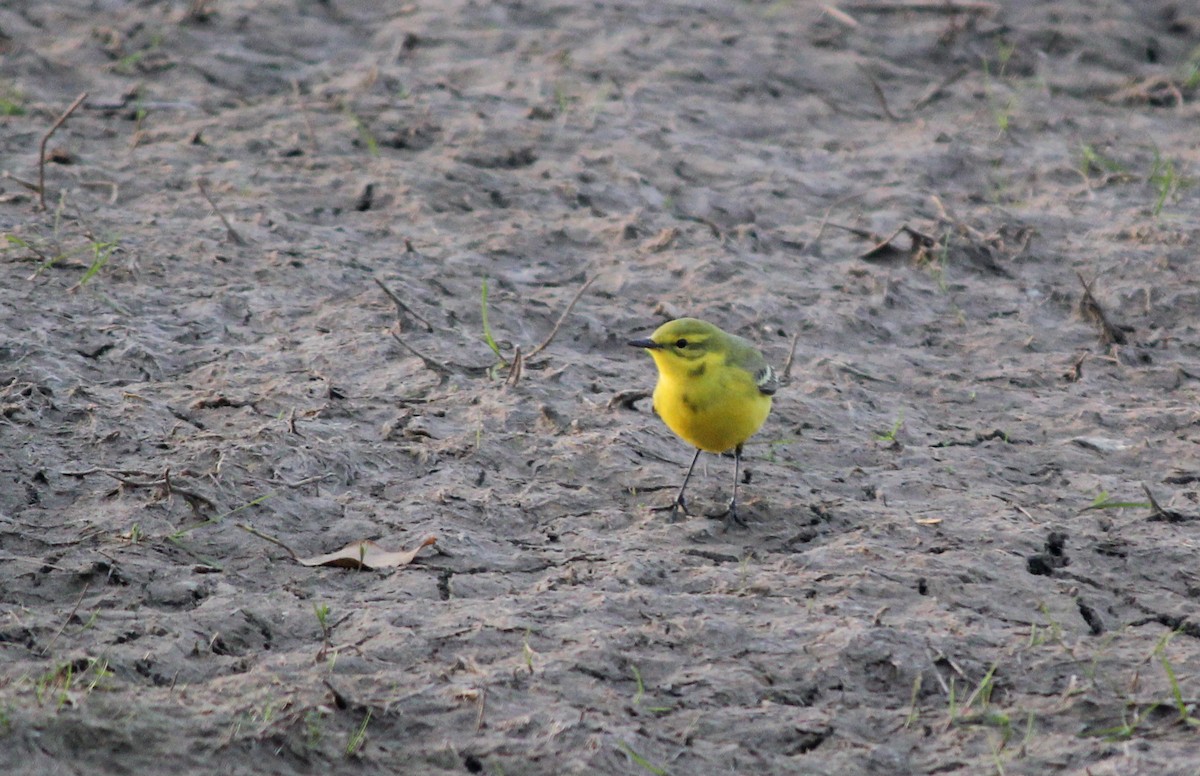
(745, 356)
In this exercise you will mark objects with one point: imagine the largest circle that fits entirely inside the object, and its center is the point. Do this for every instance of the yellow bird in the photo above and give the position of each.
(714, 390)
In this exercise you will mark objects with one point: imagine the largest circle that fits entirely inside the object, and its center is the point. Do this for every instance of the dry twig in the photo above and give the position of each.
(443, 369)
(41, 188)
(70, 616)
(626, 399)
(514, 368)
(933, 91)
(570, 306)
(1158, 513)
(932, 6)
(268, 538)
(865, 234)
(840, 15)
(1155, 90)
(160, 481)
(401, 308)
(1091, 310)
(786, 375)
(432, 364)
(234, 237)
(829, 211)
(879, 95)
(921, 243)
(482, 709)
(1075, 373)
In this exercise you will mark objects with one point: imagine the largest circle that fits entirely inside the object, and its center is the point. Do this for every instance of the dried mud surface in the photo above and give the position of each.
(920, 590)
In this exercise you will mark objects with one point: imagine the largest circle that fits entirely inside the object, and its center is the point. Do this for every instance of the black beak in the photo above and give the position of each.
(645, 343)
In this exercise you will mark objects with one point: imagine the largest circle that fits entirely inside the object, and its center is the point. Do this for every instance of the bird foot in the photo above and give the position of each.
(678, 510)
(731, 517)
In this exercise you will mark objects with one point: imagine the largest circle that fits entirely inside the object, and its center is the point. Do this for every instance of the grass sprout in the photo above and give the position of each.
(101, 253)
(1185, 711)
(1166, 181)
(359, 737)
(890, 435)
(657, 770)
(487, 329)
(1103, 501)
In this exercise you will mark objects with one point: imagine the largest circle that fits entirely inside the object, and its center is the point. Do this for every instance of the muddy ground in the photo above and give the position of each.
(923, 587)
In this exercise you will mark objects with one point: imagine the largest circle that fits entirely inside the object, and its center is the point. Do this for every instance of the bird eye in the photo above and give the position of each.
(681, 343)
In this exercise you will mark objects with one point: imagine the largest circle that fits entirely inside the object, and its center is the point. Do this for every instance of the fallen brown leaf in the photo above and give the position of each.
(660, 241)
(367, 555)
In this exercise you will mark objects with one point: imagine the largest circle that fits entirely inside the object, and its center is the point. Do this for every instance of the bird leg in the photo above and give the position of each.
(678, 507)
(731, 512)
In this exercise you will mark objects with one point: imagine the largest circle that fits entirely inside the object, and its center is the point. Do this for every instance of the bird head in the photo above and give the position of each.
(679, 344)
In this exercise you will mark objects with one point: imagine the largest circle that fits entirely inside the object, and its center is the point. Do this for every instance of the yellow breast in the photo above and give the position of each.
(715, 410)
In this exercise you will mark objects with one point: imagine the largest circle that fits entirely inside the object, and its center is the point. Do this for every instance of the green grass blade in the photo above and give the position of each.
(487, 329)
(657, 770)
